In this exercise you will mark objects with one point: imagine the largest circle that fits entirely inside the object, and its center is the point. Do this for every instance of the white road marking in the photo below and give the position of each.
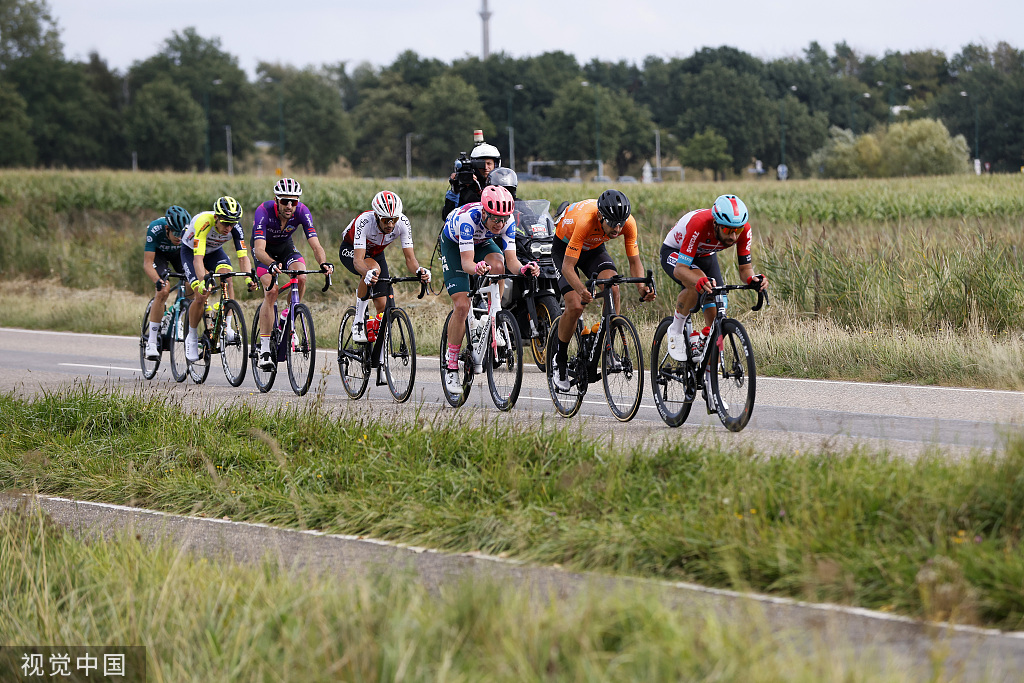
(100, 367)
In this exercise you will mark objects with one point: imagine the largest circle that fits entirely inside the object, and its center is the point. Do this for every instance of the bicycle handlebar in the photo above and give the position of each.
(327, 284)
(621, 279)
(392, 280)
(762, 297)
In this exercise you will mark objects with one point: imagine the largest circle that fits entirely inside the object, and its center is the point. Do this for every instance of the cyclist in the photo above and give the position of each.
(581, 230)
(273, 224)
(202, 253)
(467, 246)
(362, 252)
(689, 256)
(468, 182)
(162, 254)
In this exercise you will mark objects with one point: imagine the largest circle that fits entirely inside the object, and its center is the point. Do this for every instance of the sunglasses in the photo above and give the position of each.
(289, 202)
(388, 220)
(729, 230)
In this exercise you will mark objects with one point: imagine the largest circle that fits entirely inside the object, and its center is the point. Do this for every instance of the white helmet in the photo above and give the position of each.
(387, 204)
(288, 187)
(486, 151)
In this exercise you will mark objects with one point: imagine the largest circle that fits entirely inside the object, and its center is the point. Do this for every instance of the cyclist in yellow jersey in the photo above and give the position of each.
(202, 253)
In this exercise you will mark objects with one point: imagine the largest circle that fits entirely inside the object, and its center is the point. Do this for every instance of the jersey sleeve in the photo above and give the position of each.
(406, 228)
(743, 256)
(202, 230)
(306, 218)
(259, 223)
(151, 236)
(359, 227)
(239, 237)
(629, 236)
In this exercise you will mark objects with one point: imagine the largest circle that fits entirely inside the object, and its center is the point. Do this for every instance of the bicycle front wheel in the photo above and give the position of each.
(301, 350)
(199, 370)
(234, 354)
(622, 368)
(504, 362)
(733, 375)
(353, 363)
(400, 355)
(568, 402)
(547, 311)
(176, 336)
(264, 378)
(669, 380)
(465, 366)
(149, 367)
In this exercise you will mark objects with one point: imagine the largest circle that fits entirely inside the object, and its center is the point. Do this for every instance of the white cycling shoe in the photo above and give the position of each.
(453, 381)
(151, 351)
(267, 363)
(230, 336)
(359, 333)
(559, 377)
(677, 346)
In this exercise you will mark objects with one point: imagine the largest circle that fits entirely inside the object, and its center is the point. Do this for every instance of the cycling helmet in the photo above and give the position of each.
(387, 204)
(614, 206)
(504, 177)
(497, 201)
(177, 220)
(486, 151)
(227, 208)
(288, 187)
(730, 211)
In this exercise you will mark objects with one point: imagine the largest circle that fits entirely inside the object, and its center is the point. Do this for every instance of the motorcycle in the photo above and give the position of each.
(534, 301)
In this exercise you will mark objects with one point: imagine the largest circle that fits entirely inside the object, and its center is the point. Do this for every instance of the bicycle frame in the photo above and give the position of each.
(492, 294)
(215, 325)
(389, 305)
(285, 333)
(594, 349)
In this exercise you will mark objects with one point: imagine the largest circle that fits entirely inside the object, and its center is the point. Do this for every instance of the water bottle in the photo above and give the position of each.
(283, 320)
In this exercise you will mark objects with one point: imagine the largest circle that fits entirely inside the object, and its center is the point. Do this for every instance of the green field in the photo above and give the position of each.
(862, 266)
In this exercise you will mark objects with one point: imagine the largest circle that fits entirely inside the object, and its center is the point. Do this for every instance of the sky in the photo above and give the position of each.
(316, 32)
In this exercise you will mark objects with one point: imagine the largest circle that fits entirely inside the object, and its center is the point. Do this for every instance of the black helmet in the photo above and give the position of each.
(504, 177)
(614, 206)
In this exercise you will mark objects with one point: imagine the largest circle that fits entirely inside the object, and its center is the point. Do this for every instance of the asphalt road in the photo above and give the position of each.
(790, 414)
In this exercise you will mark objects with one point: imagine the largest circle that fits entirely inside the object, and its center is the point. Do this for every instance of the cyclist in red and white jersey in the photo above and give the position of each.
(362, 252)
(689, 257)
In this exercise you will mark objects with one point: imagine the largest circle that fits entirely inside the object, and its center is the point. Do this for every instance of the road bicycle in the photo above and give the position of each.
(292, 339)
(614, 345)
(171, 338)
(491, 344)
(214, 338)
(726, 374)
(393, 351)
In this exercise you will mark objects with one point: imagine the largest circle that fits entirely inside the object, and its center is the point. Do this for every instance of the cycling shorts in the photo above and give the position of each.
(456, 279)
(282, 252)
(590, 263)
(214, 261)
(345, 255)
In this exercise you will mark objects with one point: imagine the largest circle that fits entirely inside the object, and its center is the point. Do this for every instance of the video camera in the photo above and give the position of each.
(466, 168)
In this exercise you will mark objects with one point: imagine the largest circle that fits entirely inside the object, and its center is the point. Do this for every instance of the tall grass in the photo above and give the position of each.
(864, 529)
(212, 622)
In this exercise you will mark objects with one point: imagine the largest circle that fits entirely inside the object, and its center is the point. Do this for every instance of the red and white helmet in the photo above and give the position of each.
(497, 201)
(387, 204)
(288, 187)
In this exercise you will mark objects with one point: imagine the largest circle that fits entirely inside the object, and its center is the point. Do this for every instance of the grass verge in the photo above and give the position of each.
(928, 538)
(203, 621)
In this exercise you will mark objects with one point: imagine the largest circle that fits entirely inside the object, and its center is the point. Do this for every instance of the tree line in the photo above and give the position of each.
(719, 108)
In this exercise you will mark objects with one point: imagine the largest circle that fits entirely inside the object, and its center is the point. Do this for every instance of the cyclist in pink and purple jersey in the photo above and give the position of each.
(273, 249)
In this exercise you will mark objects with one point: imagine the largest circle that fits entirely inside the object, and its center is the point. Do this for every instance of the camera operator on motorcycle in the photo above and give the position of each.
(470, 176)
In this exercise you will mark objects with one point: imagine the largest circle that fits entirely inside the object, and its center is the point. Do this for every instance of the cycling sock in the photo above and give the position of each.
(562, 352)
(154, 328)
(453, 356)
(678, 324)
(361, 309)
(227, 319)
(192, 332)
(265, 343)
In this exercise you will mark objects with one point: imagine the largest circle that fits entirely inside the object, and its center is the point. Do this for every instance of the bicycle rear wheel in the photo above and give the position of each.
(465, 366)
(669, 379)
(733, 375)
(301, 350)
(400, 355)
(176, 337)
(353, 363)
(568, 403)
(200, 370)
(503, 361)
(149, 367)
(264, 378)
(234, 354)
(547, 311)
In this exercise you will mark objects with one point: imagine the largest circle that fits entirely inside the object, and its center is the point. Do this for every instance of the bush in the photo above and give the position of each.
(913, 148)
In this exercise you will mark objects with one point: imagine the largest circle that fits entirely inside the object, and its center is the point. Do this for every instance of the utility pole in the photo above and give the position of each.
(486, 16)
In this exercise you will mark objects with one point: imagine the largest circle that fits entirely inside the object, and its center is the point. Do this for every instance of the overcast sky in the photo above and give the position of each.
(314, 32)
